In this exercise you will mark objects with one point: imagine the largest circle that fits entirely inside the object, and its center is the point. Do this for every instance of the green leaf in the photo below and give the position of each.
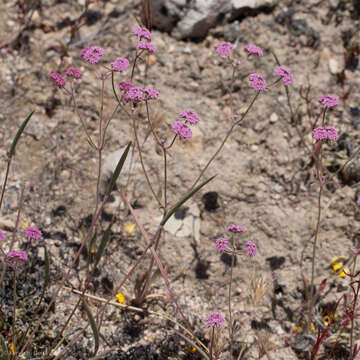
(276, 58)
(47, 268)
(92, 245)
(18, 134)
(93, 327)
(159, 193)
(118, 168)
(5, 352)
(103, 242)
(185, 198)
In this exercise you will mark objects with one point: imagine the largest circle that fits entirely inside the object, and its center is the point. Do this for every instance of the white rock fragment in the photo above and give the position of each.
(334, 66)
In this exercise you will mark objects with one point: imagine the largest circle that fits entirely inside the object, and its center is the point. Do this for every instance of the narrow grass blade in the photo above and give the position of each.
(185, 198)
(103, 243)
(5, 352)
(93, 327)
(47, 268)
(18, 134)
(118, 168)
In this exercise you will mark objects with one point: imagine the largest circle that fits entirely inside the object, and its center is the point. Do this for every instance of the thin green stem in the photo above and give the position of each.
(143, 165)
(310, 304)
(225, 139)
(5, 180)
(212, 342)
(231, 334)
(14, 313)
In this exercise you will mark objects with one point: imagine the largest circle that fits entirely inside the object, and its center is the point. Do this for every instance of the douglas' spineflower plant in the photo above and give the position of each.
(328, 100)
(33, 233)
(224, 48)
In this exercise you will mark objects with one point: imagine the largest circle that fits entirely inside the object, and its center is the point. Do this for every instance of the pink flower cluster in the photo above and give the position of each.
(224, 48)
(2, 236)
(253, 50)
(328, 100)
(251, 248)
(257, 82)
(136, 94)
(144, 45)
(235, 228)
(221, 244)
(33, 233)
(285, 74)
(322, 133)
(120, 64)
(92, 54)
(182, 128)
(142, 33)
(57, 79)
(16, 258)
(215, 319)
(191, 116)
(72, 72)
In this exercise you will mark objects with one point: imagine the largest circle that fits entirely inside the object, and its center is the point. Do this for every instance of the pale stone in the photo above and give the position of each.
(274, 118)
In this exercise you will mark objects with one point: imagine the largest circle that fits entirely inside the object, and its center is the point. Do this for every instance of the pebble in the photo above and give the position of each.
(274, 118)
(334, 66)
(254, 148)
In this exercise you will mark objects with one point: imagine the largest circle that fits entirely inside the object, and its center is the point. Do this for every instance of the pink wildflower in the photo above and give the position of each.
(57, 79)
(182, 129)
(190, 116)
(253, 50)
(125, 85)
(356, 251)
(328, 101)
(257, 82)
(16, 258)
(285, 74)
(235, 228)
(33, 233)
(134, 94)
(320, 133)
(120, 64)
(221, 244)
(358, 201)
(2, 236)
(72, 72)
(332, 134)
(142, 33)
(224, 48)
(92, 54)
(144, 45)
(251, 248)
(215, 319)
(151, 93)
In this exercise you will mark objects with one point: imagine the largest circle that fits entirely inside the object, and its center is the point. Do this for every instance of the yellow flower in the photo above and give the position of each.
(298, 329)
(337, 263)
(12, 348)
(120, 297)
(26, 224)
(130, 228)
(190, 350)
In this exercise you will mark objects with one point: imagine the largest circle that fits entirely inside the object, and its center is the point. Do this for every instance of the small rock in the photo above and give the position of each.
(65, 174)
(334, 66)
(274, 118)
(254, 148)
(6, 224)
